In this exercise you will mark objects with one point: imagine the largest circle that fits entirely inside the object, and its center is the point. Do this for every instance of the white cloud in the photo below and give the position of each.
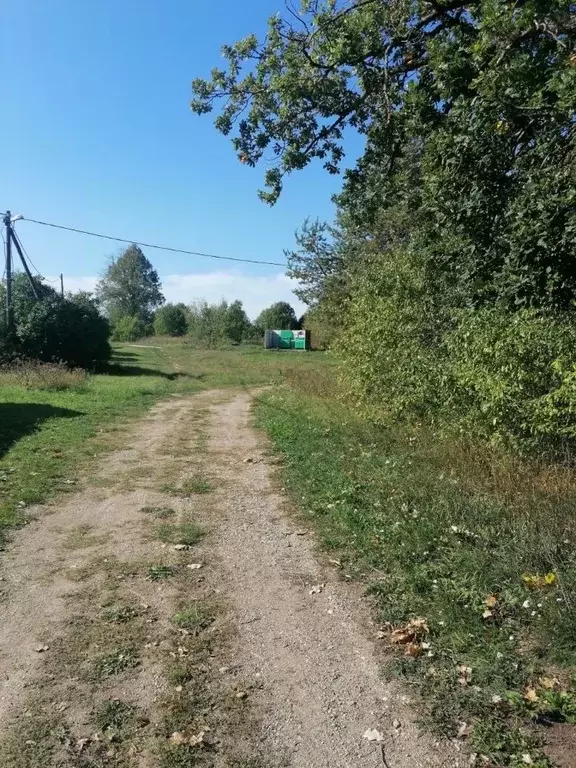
(254, 292)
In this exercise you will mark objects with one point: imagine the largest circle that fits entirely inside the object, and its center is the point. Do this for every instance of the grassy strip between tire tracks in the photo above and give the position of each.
(479, 546)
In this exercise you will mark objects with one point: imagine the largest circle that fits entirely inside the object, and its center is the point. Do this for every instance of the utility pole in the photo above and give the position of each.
(25, 265)
(9, 313)
(62, 284)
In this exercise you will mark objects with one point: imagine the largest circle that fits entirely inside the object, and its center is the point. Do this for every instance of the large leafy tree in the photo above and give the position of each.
(468, 113)
(236, 323)
(171, 320)
(130, 287)
(278, 316)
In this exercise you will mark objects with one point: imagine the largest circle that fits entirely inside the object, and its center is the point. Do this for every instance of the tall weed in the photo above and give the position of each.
(52, 377)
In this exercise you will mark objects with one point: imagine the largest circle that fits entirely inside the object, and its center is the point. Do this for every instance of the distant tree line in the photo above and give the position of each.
(128, 305)
(130, 293)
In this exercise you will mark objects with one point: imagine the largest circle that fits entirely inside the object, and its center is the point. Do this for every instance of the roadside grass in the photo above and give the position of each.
(186, 534)
(54, 423)
(190, 486)
(161, 513)
(481, 546)
(160, 572)
(118, 719)
(115, 662)
(194, 618)
(196, 484)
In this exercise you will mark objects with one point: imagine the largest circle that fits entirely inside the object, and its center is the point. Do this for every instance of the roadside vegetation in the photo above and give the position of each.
(468, 554)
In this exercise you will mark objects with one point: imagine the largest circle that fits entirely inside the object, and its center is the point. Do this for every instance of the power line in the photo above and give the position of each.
(157, 247)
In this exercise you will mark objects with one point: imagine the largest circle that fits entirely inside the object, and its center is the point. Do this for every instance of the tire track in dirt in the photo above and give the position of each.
(316, 679)
(64, 565)
(305, 660)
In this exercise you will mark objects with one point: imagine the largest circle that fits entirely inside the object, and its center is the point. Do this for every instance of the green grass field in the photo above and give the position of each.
(478, 546)
(52, 427)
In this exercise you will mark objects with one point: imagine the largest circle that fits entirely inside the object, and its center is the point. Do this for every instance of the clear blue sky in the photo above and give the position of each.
(96, 132)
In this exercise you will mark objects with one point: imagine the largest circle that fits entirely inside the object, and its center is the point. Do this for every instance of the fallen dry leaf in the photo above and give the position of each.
(194, 566)
(401, 636)
(181, 547)
(490, 601)
(487, 614)
(42, 648)
(549, 683)
(530, 695)
(317, 588)
(464, 730)
(464, 675)
(413, 649)
(81, 743)
(373, 735)
(181, 738)
(413, 630)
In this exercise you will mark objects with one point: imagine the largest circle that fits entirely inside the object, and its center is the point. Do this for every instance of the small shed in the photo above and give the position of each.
(287, 340)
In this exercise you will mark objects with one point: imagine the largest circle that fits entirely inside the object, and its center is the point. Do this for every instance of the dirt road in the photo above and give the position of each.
(128, 640)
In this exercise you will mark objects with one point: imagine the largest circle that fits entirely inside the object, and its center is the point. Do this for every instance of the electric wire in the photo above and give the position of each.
(152, 245)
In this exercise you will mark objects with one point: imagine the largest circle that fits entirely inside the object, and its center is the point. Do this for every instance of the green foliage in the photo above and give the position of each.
(236, 323)
(459, 218)
(217, 325)
(316, 261)
(171, 320)
(130, 287)
(128, 328)
(468, 113)
(391, 345)
(507, 377)
(69, 330)
(194, 618)
(512, 377)
(185, 533)
(279, 316)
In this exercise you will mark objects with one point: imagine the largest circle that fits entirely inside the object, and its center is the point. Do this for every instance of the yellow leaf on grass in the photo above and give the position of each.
(490, 601)
(535, 581)
(530, 694)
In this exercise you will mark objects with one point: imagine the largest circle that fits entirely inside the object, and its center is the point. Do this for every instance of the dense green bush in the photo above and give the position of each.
(171, 320)
(278, 316)
(129, 328)
(62, 329)
(218, 325)
(67, 330)
(512, 376)
(391, 342)
(508, 377)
